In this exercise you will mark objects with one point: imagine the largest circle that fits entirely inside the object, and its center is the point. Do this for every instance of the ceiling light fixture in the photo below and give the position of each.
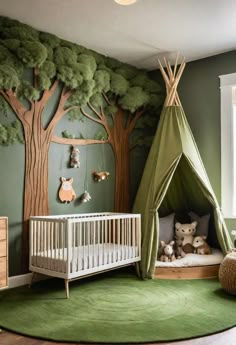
(125, 2)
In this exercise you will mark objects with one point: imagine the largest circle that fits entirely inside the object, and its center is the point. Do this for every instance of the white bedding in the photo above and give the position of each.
(191, 260)
(84, 257)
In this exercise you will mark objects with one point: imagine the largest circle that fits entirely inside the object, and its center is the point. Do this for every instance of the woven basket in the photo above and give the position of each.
(227, 273)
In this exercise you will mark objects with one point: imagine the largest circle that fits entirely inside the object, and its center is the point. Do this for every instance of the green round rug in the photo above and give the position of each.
(118, 308)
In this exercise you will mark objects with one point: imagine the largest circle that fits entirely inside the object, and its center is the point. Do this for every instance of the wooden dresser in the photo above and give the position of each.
(3, 252)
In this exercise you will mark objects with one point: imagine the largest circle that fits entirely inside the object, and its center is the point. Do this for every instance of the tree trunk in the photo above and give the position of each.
(37, 142)
(120, 145)
(122, 178)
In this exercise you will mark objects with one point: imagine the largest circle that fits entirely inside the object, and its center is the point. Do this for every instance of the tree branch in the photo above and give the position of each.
(71, 108)
(102, 118)
(60, 112)
(128, 121)
(36, 74)
(134, 120)
(94, 110)
(81, 142)
(90, 116)
(106, 98)
(48, 93)
(14, 103)
(67, 93)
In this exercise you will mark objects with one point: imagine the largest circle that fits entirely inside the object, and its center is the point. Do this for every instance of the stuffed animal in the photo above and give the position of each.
(66, 191)
(85, 197)
(179, 252)
(74, 157)
(166, 252)
(185, 233)
(201, 246)
(100, 176)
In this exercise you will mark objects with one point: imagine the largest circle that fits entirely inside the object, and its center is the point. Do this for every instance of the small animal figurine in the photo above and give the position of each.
(100, 176)
(85, 197)
(178, 247)
(201, 246)
(186, 231)
(66, 191)
(74, 157)
(167, 252)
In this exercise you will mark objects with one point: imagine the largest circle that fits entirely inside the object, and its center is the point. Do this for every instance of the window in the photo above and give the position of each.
(228, 144)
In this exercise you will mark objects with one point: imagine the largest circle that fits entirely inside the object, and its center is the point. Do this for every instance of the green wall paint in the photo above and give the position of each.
(199, 91)
(96, 157)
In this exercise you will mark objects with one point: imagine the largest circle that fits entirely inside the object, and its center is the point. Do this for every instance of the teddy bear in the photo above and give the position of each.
(166, 252)
(185, 233)
(201, 246)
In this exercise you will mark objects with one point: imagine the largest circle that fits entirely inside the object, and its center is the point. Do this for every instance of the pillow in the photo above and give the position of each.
(202, 223)
(166, 228)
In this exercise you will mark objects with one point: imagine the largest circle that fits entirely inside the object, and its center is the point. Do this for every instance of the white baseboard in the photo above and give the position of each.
(24, 279)
(20, 280)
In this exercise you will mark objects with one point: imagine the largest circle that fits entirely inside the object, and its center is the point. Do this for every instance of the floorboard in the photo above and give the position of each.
(223, 338)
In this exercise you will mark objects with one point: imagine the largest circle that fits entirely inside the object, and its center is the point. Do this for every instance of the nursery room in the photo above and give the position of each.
(118, 175)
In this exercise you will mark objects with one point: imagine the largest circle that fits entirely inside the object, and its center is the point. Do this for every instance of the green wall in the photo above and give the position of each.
(92, 157)
(199, 91)
(98, 157)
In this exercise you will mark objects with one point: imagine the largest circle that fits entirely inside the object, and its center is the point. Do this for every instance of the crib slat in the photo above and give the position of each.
(99, 229)
(83, 244)
(106, 250)
(103, 247)
(114, 241)
(79, 256)
(88, 232)
(109, 241)
(68, 229)
(94, 239)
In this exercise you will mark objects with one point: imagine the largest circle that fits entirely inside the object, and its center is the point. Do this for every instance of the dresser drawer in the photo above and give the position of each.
(3, 272)
(3, 248)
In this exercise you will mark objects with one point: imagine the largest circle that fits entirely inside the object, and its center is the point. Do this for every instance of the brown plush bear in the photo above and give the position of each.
(185, 233)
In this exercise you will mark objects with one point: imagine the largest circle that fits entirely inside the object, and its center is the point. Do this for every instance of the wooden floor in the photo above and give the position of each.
(224, 338)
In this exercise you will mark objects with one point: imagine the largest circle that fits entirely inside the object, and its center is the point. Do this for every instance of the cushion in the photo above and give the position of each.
(191, 260)
(166, 228)
(202, 223)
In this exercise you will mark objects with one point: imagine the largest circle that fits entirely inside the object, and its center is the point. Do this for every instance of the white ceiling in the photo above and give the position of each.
(136, 34)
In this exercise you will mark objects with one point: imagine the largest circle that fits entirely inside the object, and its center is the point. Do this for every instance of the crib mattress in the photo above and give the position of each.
(191, 260)
(83, 257)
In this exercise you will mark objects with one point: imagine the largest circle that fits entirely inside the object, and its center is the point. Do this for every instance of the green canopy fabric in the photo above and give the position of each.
(174, 179)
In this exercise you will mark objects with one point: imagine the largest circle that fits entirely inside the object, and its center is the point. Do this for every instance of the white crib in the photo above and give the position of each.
(74, 246)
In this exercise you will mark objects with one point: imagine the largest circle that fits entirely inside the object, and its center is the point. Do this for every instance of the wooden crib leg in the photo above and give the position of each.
(33, 276)
(67, 288)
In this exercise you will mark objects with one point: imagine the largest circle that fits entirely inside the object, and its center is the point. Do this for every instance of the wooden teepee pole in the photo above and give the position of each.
(172, 78)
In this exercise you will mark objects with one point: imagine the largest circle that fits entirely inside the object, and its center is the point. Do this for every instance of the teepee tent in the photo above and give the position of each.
(174, 177)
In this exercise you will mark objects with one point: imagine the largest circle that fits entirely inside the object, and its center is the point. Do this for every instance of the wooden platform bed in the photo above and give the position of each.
(193, 266)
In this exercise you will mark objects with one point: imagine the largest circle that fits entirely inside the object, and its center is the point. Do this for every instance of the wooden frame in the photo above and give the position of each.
(195, 272)
(3, 252)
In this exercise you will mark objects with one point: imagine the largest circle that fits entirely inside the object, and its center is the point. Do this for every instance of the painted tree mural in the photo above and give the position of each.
(33, 65)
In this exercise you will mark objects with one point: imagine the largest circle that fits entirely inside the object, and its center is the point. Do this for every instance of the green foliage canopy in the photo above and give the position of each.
(88, 73)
